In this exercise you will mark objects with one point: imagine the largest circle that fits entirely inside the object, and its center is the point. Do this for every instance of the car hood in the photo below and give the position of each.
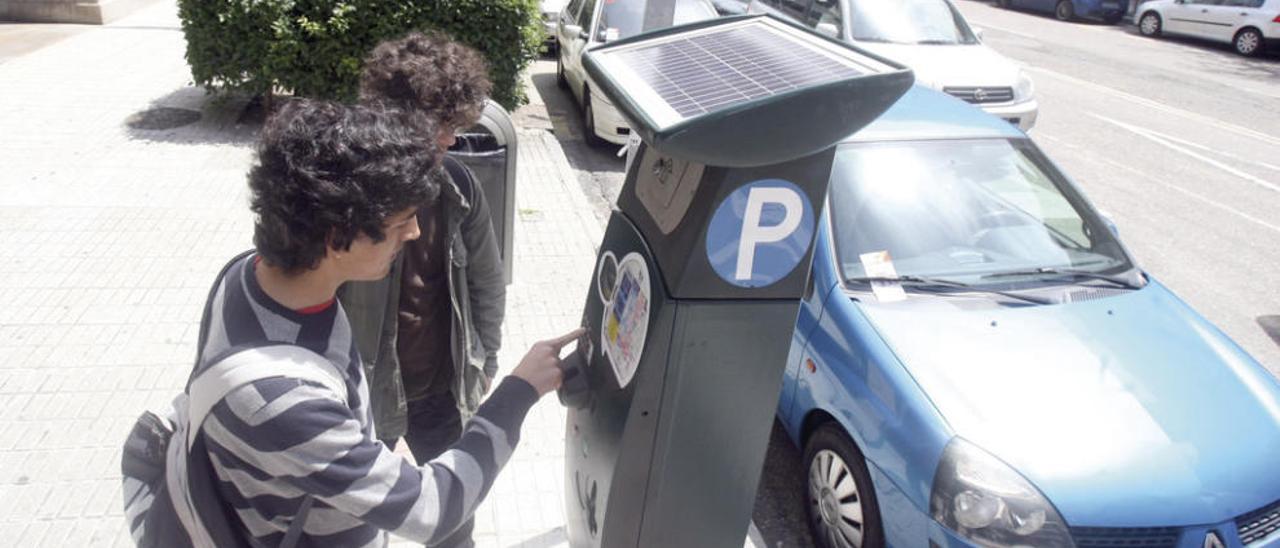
(1126, 410)
(939, 66)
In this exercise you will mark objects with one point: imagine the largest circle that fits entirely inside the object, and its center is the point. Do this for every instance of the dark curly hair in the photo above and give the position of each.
(430, 73)
(326, 172)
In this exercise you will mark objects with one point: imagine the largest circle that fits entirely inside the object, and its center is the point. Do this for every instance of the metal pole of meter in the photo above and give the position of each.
(697, 283)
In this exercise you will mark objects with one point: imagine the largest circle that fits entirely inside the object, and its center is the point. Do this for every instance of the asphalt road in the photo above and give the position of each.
(1177, 140)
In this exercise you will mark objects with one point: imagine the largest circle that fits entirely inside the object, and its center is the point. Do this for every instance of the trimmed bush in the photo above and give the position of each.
(314, 48)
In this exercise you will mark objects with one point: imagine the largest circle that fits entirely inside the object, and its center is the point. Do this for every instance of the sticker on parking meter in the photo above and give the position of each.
(626, 315)
(760, 232)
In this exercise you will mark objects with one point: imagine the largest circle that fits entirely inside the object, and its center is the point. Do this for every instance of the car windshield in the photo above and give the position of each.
(909, 22)
(971, 211)
(624, 18)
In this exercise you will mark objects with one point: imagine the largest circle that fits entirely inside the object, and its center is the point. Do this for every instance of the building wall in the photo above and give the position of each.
(91, 12)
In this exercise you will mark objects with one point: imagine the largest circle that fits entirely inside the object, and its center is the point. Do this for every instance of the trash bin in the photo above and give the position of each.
(489, 149)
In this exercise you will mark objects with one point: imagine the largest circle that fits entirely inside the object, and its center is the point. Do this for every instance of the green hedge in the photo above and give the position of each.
(314, 48)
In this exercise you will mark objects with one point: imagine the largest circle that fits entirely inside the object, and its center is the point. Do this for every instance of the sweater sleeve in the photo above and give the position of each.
(308, 437)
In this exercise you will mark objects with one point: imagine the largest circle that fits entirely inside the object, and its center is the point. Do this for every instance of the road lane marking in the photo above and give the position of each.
(1140, 174)
(1167, 143)
(1225, 126)
(1235, 157)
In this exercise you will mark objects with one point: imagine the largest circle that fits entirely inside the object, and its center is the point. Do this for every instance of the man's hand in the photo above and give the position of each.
(540, 367)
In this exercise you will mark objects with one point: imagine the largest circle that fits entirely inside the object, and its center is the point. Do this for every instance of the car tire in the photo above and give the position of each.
(1150, 24)
(589, 121)
(1248, 42)
(560, 79)
(833, 466)
(1065, 10)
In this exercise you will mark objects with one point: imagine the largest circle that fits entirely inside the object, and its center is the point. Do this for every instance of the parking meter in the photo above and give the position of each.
(698, 278)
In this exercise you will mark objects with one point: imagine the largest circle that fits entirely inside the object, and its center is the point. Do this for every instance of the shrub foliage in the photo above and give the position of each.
(314, 48)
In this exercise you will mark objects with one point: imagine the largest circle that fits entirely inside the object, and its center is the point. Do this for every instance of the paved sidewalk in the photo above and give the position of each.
(109, 237)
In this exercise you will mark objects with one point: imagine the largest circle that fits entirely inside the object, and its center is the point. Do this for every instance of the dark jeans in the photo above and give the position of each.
(435, 425)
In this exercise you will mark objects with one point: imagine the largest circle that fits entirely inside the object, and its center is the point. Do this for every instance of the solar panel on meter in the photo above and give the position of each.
(798, 92)
(701, 73)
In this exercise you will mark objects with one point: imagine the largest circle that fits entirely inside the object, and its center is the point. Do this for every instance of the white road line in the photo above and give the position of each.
(1189, 193)
(1159, 139)
(1225, 126)
(1235, 157)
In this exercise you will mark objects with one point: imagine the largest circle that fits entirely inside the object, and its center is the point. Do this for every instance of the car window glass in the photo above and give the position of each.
(572, 10)
(961, 209)
(824, 16)
(795, 8)
(623, 18)
(908, 22)
(588, 9)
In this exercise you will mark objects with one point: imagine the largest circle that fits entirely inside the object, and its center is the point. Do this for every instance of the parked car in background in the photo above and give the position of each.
(931, 37)
(1248, 25)
(550, 10)
(1108, 11)
(980, 362)
(586, 23)
(731, 7)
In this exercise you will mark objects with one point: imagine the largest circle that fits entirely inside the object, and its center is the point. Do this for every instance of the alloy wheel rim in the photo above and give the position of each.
(1149, 24)
(835, 501)
(1247, 43)
(1062, 10)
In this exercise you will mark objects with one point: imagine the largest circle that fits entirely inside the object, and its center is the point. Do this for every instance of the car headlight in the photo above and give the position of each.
(987, 502)
(1025, 89)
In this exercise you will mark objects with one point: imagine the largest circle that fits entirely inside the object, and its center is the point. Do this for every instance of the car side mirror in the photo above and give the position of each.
(828, 29)
(582, 35)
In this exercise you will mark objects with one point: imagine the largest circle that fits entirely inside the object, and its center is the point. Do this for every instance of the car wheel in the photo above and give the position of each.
(1065, 11)
(560, 80)
(589, 121)
(842, 503)
(1248, 42)
(1149, 24)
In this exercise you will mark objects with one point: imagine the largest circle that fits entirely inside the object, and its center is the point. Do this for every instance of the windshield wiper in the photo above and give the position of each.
(1066, 272)
(942, 282)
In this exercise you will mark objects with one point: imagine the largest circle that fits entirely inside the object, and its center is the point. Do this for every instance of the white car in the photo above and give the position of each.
(550, 10)
(931, 37)
(1248, 25)
(586, 23)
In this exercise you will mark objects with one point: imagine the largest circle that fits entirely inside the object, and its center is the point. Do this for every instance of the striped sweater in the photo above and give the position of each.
(277, 440)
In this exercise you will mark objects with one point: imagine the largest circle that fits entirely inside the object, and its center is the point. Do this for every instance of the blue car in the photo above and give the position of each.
(980, 362)
(1109, 11)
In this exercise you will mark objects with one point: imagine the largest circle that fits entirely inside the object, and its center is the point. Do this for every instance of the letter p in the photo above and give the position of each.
(753, 234)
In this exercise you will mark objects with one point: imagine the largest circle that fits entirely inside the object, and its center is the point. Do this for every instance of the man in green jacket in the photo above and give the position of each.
(429, 333)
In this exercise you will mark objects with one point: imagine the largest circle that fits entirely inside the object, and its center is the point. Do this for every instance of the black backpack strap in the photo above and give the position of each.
(462, 177)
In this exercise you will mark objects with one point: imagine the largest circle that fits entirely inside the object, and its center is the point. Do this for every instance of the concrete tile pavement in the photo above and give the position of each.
(109, 237)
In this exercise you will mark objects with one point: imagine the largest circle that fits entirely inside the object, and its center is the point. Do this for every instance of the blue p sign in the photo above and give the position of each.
(759, 233)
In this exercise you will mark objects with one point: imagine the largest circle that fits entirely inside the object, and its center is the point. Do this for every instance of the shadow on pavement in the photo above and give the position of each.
(599, 169)
(779, 511)
(190, 115)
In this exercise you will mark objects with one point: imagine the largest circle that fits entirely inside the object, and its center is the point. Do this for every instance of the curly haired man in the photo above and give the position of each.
(431, 330)
(336, 191)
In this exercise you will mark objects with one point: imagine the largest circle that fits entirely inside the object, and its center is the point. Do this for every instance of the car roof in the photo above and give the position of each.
(923, 113)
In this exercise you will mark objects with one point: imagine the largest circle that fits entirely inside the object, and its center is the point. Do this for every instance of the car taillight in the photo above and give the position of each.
(1276, 20)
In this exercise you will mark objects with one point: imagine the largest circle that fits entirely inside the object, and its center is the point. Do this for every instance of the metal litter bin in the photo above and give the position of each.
(489, 150)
